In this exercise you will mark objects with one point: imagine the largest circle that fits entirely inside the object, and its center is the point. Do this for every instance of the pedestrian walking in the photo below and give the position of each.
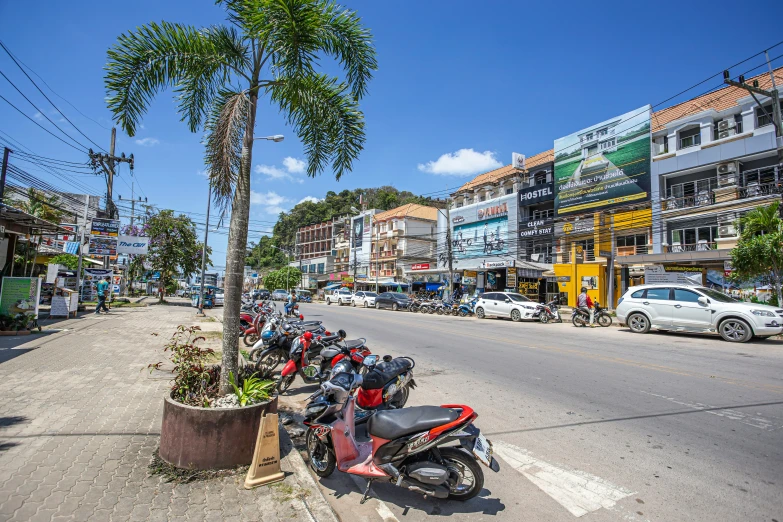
(103, 292)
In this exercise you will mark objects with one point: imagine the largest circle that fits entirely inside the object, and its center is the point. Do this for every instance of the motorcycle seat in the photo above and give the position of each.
(393, 424)
(354, 343)
(310, 327)
(329, 353)
(384, 372)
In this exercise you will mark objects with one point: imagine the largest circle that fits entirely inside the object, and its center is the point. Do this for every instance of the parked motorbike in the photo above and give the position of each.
(466, 309)
(403, 446)
(549, 312)
(274, 347)
(386, 384)
(582, 318)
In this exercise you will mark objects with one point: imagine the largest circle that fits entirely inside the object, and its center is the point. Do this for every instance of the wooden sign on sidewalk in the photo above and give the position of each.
(265, 468)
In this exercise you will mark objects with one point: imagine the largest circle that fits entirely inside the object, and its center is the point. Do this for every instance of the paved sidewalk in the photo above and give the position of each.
(80, 419)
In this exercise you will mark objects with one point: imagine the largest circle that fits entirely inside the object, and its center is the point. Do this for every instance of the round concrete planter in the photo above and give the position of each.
(210, 438)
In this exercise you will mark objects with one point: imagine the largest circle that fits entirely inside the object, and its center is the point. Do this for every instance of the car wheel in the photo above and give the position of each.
(365, 304)
(353, 303)
(395, 307)
(480, 313)
(516, 316)
(735, 331)
(328, 302)
(377, 306)
(638, 323)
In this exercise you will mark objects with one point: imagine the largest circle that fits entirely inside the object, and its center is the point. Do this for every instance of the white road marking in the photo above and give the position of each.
(579, 492)
(756, 421)
(383, 510)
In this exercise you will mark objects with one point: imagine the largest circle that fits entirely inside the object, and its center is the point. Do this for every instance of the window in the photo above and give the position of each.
(588, 247)
(509, 190)
(459, 205)
(692, 237)
(490, 296)
(639, 294)
(638, 242)
(718, 296)
(690, 138)
(481, 198)
(312, 269)
(519, 298)
(540, 177)
(658, 294)
(320, 268)
(685, 296)
(542, 214)
(764, 116)
(737, 126)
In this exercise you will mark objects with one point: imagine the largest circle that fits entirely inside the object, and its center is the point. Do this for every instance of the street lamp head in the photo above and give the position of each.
(277, 138)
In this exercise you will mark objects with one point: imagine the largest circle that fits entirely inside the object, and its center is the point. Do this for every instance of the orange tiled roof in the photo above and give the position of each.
(493, 176)
(719, 100)
(409, 210)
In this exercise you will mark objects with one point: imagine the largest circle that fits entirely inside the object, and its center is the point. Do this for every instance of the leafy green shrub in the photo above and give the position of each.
(253, 390)
(194, 383)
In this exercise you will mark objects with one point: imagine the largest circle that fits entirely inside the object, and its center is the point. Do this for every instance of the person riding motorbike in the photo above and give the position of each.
(290, 304)
(584, 303)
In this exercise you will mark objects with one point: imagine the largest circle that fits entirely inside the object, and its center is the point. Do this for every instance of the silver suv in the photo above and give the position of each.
(682, 308)
(340, 296)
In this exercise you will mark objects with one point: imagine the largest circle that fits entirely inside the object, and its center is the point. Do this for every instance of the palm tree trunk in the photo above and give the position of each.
(235, 256)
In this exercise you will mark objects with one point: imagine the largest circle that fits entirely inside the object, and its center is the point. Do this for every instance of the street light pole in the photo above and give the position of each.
(204, 256)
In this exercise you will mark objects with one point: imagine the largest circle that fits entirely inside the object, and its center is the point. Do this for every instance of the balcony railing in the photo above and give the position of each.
(701, 246)
(767, 189)
(701, 199)
(632, 250)
(388, 253)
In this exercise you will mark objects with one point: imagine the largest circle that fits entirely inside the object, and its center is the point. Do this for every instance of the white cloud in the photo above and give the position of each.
(38, 116)
(464, 162)
(272, 202)
(294, 165)
(309, 198)
(147, 142)
(203, 173)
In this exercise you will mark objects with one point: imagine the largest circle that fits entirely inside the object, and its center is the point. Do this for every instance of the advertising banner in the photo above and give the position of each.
(72, 236)
(672, 274)
(604, 165)
(488, 237)
(536, 194)
(103, 237)
(20, 295)
(536, 228)
(511, 278)
(420, 266)
(358, 231)
(575, 228)
(138, 245)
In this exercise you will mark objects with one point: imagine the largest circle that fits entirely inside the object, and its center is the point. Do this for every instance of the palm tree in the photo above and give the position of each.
(761, 220)
(39, 204)
(272, 48)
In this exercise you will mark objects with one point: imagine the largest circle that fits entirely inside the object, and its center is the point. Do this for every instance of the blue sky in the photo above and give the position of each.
(460, 86)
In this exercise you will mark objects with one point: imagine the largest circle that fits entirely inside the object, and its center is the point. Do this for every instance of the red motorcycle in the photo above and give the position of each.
(313, 358)
(251, 325)
(405, 447)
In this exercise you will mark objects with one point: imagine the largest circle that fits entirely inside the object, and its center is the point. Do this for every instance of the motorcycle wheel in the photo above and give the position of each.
(604, 320)
(319, 456)
(270, 361)
(439, 310)
(578, 320)
(251, 339)
(400, 398)
(463, 313)
(283, 383)
(468, 471)
(544, 317)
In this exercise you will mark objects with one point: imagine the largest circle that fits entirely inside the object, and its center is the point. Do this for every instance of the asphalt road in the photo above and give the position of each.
(600, 423)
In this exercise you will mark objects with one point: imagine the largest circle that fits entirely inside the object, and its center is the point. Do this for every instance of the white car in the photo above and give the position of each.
(340, 296)
(365, 299)
(682, 308)
(505, 304)
(219, 299)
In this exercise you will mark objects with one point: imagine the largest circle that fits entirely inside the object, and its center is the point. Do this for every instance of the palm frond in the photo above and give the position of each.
(225, 130)
(327, 119)
(156, 56)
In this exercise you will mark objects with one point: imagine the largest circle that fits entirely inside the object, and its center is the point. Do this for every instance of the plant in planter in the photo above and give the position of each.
(254, 389)
(6, 322)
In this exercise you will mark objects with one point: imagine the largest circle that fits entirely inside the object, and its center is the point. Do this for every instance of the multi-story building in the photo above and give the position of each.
(314, 253)
(341, 245)
(401, 237)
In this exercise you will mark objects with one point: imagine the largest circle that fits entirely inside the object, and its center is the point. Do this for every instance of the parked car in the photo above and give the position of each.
(393, 300)
(340, 296)
(261, 295)
(279, 295)
(364, 299)
(682, 308)
(505, 304)
(219, 299)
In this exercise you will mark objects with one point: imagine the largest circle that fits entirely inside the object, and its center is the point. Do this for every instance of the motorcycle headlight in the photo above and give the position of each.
(315, 410)
(762, 313)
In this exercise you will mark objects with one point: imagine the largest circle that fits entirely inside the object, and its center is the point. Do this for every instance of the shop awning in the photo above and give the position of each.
(332, 286)
(19, 222)
(433, 286)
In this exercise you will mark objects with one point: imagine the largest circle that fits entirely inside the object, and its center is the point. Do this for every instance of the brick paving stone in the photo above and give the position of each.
(82, 453)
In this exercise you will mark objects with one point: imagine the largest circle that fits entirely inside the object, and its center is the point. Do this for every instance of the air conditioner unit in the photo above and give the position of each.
(727, 174)
(726, 168)
(726, 124)
(725, 133)
(727, 231)
(535, 257)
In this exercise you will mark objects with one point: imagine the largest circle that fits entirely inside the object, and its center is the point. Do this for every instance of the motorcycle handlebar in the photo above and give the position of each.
(328, 338)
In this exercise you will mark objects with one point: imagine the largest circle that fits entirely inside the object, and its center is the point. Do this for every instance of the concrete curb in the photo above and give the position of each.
(315, 502)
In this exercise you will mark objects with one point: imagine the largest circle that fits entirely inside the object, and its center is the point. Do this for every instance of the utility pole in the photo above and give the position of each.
(204, 256)
(377, 252)
(108, 162)
(753, 90)
(82, 228)
(6, 152)
(448, 244)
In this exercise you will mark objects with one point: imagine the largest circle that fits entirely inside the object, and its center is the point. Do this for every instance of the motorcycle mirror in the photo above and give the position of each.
(370, 360)
(308, 336)
(342, 333)
(387, 358)
(301, 317)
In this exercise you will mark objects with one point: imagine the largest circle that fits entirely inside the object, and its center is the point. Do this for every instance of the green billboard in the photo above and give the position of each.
(604, 165)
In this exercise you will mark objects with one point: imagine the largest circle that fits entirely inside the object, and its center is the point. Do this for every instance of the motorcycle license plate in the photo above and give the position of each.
(482, 449)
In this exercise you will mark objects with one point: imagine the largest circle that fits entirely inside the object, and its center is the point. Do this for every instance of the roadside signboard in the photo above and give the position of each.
(20, 295)
(604, 165)
(138, 245)
(673, 274)
(103, 237)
